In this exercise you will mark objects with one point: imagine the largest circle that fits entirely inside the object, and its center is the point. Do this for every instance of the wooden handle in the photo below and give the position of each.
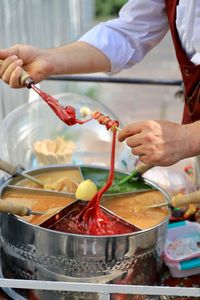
(12, 208)
(25, 79)
(8, 168)
(184, 200)
(15, 170)
(141, 168)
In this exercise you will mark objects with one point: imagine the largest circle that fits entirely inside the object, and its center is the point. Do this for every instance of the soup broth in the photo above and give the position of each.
(130, 207)
(134, 210)
(50, 205)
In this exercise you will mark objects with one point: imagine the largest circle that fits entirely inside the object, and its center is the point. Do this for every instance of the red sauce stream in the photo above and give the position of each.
(91, 219)
(66, 114)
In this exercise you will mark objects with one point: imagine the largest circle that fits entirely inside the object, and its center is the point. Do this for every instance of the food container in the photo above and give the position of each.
(182, 249)
(32, 252)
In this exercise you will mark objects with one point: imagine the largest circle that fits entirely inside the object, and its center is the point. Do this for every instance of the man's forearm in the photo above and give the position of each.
(79, 57)
(194, 133)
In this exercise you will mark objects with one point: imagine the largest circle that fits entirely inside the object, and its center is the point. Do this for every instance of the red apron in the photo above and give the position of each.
(190, 72)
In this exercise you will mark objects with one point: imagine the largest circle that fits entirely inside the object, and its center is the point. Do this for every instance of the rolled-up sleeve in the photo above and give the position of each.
(126, 40)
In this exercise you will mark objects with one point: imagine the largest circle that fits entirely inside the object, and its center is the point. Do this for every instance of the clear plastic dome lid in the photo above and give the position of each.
(33, 122)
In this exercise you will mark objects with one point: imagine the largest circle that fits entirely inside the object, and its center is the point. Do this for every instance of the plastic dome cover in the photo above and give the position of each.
(36, 121)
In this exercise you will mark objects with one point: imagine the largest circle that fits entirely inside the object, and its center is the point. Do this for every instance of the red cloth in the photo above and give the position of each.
(190, 72)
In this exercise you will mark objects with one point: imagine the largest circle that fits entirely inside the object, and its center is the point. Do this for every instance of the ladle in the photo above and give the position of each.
(140, 169)
(16, 209)
(16, 170)
(66, 114)
(179, 201)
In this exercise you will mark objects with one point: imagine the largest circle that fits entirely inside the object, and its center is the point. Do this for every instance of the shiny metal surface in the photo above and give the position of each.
(32, 252)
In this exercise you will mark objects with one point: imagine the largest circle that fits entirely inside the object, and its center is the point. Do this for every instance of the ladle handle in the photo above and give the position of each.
(17, 170)
(141, 168)
(184, 200)
(8, 168)
(25, 79)
(15, 209)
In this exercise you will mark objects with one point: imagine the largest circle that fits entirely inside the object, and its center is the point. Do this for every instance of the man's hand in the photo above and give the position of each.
(36, 62)
(160, 143)
(75, 58)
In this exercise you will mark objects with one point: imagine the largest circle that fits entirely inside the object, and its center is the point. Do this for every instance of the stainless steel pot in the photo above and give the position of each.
(33, 252)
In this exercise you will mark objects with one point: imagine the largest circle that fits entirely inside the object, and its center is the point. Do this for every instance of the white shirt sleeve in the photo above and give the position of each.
(126, 40)
(188, 24)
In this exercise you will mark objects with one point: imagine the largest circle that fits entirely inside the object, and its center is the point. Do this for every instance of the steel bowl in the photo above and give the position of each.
(32, 252)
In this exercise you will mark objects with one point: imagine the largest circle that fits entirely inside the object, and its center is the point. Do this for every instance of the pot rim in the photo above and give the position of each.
(142, 231)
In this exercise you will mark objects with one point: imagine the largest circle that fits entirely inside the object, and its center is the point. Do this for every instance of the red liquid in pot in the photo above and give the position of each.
(90, 218)
(103, 223)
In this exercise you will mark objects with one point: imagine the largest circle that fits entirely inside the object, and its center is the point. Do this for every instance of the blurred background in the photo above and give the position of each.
(49, 23)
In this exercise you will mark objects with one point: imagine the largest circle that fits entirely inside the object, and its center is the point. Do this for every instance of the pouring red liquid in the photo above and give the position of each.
(89, 219)
(81, 218)
(66, 114)
(65, 221)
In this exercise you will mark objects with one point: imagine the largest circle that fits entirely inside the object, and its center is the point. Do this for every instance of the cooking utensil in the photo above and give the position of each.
(25, 78)
(66, 114)
(140, 169)
(16, 170)
(179, 201)
(62, 112)
(16, 209)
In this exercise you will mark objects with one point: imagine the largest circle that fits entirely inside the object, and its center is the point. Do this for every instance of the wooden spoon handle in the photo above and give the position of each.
(25, 79)
(141, 168)
(15, 170)
(184, 200)
(12, 208)
(8, 168)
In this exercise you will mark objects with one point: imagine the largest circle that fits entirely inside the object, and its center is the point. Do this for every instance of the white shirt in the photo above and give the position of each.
(141, 25)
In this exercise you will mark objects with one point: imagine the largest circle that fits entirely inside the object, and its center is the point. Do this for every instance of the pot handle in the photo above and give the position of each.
(184, 200)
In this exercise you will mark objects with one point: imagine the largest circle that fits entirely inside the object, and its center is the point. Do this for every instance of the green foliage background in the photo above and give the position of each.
(106, 8)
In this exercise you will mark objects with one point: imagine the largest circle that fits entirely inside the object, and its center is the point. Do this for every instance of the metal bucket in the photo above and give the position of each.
(32, 252)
